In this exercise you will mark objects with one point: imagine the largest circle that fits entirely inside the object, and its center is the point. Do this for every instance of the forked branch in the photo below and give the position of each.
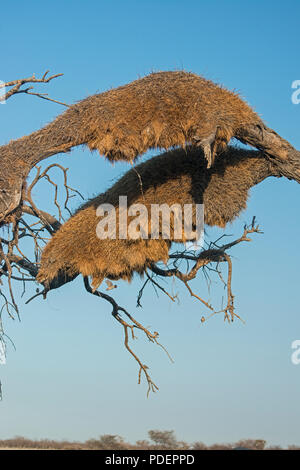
(152, 337)
(214, 254)
(15, 87)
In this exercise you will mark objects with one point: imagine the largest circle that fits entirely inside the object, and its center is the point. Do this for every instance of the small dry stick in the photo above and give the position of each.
(17, 84)
(152, 337)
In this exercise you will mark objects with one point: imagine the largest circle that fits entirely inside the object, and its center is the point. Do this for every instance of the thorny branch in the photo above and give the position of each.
(14, 264)
(152, 337)
(50, 223)
(215, 254)
(16, 87)
(18, 268)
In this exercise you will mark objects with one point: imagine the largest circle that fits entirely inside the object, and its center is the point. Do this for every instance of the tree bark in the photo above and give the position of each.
(277, 149)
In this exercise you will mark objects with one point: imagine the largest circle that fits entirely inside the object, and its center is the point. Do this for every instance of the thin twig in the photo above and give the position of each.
(17, 84)
(152, 337)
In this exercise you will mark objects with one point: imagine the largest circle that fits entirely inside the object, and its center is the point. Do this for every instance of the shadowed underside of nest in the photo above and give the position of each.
(176, 177)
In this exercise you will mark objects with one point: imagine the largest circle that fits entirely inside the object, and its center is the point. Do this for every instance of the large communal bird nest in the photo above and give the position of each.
(161, 110)
(176, 177)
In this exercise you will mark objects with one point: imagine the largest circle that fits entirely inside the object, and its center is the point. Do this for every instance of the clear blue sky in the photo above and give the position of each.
(70, 376)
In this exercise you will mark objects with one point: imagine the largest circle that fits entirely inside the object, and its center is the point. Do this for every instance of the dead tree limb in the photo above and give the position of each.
(152, 337)
(204, 258)
(16, 87)
(14, 264)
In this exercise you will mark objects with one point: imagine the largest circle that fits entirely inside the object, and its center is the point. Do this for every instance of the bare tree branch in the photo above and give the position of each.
(17, 87)
(203, 259)
(152, 337)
